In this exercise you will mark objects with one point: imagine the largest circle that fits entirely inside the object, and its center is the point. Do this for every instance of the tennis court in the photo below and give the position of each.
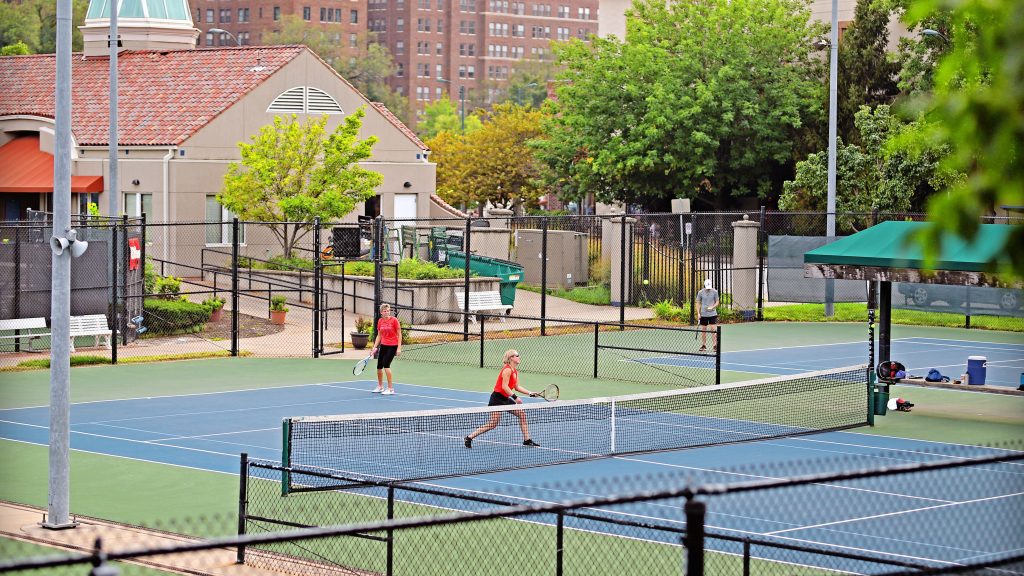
(208, 431)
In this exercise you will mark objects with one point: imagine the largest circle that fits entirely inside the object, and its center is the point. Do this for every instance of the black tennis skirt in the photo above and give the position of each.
(499, 399)
(385, 354)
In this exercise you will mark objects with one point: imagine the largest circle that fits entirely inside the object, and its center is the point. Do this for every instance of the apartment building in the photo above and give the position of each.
(249, 20)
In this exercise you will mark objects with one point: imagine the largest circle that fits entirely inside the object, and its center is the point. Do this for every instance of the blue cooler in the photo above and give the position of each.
(976, 366)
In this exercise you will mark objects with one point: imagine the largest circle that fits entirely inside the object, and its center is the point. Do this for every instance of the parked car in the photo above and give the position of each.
(925, 294)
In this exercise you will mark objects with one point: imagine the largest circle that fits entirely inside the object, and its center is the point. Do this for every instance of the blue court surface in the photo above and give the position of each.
(1005, 362)
(209, 431)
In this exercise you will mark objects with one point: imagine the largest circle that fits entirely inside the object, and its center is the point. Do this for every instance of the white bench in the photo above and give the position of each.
(482, 301)
(94, 325)
(20, 324)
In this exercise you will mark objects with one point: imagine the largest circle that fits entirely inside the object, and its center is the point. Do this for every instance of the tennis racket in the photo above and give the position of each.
(361, 365)
(550, 393)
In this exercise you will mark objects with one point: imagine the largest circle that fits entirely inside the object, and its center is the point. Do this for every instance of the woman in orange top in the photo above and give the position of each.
(386, 346)
(504, 395)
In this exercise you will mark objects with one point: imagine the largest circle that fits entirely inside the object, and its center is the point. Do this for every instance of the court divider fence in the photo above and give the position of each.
(671, 523)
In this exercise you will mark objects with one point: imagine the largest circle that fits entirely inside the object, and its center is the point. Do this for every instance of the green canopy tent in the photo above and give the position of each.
(888, 252)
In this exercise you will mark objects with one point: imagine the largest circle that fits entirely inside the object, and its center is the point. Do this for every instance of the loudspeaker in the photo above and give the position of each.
(345, 240)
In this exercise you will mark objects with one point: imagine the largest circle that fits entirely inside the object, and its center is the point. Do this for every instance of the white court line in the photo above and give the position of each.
(134, 459)
(1001, 346)
(900, 513)
(207, 436)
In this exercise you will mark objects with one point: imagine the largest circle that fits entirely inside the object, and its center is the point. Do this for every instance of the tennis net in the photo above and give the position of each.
(407, 446)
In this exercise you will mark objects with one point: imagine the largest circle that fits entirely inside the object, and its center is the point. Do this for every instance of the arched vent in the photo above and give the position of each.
(305, 100)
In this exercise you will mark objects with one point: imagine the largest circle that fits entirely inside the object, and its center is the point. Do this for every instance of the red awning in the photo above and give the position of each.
(24, 168)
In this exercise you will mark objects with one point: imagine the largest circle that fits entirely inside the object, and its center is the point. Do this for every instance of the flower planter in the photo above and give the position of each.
(359, 340)
(216, 315)
(277, 316)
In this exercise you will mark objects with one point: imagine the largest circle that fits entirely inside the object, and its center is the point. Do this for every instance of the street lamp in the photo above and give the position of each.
(833, 107)
(223, 31)
(936, 33)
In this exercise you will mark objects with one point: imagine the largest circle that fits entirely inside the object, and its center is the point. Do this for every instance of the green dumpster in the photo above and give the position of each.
(508, 273)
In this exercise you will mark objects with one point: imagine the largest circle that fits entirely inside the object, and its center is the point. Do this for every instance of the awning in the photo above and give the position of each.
(24, 168)
(888, 251)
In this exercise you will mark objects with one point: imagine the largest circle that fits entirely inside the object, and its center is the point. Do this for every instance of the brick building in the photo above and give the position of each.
(248, 20)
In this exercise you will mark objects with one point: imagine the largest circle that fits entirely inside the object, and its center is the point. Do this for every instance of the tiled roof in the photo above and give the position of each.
(447, 207)
(400, 125)
(165, 96)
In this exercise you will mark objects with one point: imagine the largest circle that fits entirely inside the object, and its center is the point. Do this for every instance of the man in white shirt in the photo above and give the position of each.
(707, 300)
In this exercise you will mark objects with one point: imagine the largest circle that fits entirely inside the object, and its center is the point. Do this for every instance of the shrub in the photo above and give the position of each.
(277, 303)
(214, 303)
(363, 325)
(425, 270)
(168, 287)
(174, 316)
(667, 310)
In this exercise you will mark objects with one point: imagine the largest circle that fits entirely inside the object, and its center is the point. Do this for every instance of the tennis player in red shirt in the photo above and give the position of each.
(386, 346)
(504, 394)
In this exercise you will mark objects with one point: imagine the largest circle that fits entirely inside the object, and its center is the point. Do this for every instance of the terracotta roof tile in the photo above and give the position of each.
(165, 96)
(447, 207)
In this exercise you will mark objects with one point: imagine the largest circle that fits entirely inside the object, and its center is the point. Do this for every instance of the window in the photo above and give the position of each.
(400, 72)
(209, 16)
(582, 33)
(277, 12)
(399, 47)
(467, 5)
(497, 28)
(517, 52)
(307, 13)
(423, 24)
(209, 38)
(136, 204)
(583, 13)
(225, 16)
(440, 26)
(422, 70)
(243, 14)
(400, 24)
(243, 38)
(219, 232)
(353, 40)
(467, 49)
(439, 48)
(353, 16)
(439, 70)
(518, 8)
(467, 27)
(519, 30)
(422, 93)
(471, 71)
(462, 71)
(563, 11)
(562, 34)
(323, 14)
(423, 4)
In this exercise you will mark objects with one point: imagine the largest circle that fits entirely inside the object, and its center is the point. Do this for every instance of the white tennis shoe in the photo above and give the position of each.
(388, 391)
(378, 390)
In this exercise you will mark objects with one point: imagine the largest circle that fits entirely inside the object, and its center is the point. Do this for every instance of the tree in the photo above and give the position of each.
(866, 75)
(293, 172)
(34, 23)
(868, 175)
(445, 116)
(364, 63)
(17, 49)
(494, 163)
(700, 92)
(977, 109)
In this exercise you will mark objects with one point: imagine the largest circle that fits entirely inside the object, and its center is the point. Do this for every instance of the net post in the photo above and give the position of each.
(597, 343)
(559, 541)
(116, 297)
(762, 248)
(391, 531)
(483, 320)
(718, 354)
(243, 500)
(695, 511)
(286, 460)
(543, 274)
(613, 426)
(746, 557)
(465, 281)
(126, 256)
(871, 367)
(317, 275)
(622, 272)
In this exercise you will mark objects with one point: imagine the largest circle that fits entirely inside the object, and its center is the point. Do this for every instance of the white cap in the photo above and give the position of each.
(707, 283)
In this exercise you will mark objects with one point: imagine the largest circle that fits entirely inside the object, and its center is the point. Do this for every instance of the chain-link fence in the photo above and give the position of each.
(479, 284)
(947, 510)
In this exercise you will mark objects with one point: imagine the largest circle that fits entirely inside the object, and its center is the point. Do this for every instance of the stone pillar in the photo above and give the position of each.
(613, 241)
(744, 265)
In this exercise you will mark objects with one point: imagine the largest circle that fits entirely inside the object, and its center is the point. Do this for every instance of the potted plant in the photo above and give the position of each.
(216, 306)
(277, 309)
(361, 335)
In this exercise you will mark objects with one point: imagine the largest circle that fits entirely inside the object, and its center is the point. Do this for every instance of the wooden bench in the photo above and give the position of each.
(17, 325)
(94, 325)
(482, 301)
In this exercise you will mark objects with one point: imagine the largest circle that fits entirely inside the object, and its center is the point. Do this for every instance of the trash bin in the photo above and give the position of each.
(437, 247)
(508, 273)
(976, 368)
(881, 398)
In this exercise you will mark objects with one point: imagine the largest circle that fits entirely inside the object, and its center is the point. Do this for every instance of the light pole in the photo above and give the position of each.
(462, 108)
(833, 105)
(936, 33)
(223, 31)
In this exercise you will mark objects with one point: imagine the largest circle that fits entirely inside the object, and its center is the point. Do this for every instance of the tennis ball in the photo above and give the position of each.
(646, 281)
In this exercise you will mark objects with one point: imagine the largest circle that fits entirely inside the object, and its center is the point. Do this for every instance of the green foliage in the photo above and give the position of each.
(701, 99)
(19, 48)
(866, 75)
(977, 110)
(150, 277)
(867, 174)
(595, 294)
(359, 268)
(164, 317)
(444, 115)
(494, 163)
(214, 303)
(667, 310)
(363, 324)
(80, 360)
(277, 303)
(293, 172)
(918, 54)
(168, 287)
(33, 24)
(408, 269)
(367, 65)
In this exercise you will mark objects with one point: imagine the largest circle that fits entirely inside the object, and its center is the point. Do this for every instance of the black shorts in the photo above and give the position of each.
(708, 320)
(499, 399)
(385, 354)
